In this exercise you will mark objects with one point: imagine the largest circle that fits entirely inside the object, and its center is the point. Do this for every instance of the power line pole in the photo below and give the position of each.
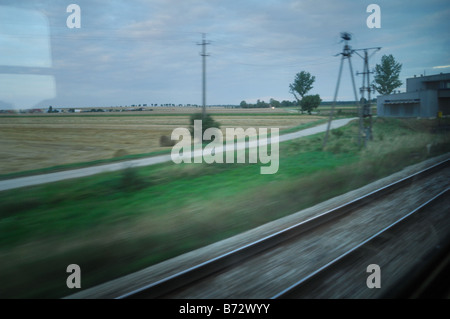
(346, 54)
(363, 106)
(204, 43)
(366, 115)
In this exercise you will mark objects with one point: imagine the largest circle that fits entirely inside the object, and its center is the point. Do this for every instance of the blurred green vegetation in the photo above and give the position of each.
(115, 223)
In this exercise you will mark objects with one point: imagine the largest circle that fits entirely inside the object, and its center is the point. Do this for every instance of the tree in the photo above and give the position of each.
(387, 75)
(274, 103)
(285, 103)
(243, 104)
(261, 104)
(302, 84)
(310, 102)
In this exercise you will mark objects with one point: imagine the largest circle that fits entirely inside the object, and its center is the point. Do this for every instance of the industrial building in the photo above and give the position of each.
(425, 96)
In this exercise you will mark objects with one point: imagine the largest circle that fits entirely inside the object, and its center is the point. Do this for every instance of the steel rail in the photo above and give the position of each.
(290, 291)
(186, 277)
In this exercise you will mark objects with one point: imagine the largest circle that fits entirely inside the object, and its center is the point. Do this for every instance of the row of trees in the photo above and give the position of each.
(386, 80)
(302, 84)
(263, 104)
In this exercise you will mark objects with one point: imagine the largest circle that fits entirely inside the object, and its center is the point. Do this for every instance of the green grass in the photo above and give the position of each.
(59, 168)
(112, 224)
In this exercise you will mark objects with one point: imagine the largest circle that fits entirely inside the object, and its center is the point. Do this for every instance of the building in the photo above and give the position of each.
(425, 96)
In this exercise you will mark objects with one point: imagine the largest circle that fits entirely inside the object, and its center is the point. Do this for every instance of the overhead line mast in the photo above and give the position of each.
(204, 43)
(346, 54)
(363, 106)
(366, 109)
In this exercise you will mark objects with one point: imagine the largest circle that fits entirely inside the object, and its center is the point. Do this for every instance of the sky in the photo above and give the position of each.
(146, 51)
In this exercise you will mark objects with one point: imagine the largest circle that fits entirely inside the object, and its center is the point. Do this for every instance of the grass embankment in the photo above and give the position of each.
(116, 223)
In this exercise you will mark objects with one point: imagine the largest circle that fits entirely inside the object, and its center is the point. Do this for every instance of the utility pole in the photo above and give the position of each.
(364, 107)
(346, 54)
(204, 43)
(366, 115)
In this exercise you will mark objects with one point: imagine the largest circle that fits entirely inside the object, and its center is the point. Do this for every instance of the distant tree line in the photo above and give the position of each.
(386, 80)
(343, 103)
(51, 110)
(272, 103)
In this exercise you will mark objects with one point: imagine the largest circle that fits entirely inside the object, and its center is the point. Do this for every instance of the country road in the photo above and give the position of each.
(88, 171)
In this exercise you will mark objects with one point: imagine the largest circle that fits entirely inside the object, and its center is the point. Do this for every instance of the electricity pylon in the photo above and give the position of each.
(363, 106)
(366, 108)
(346, 54)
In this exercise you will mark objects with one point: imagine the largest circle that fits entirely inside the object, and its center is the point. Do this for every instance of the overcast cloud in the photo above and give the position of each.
(136, 52)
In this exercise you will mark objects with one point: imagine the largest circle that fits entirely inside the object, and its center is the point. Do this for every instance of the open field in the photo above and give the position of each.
(33, 142)
(115, 223)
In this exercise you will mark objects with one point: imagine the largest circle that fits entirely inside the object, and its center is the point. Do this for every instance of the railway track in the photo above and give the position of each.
(306, 255)
(314, 284)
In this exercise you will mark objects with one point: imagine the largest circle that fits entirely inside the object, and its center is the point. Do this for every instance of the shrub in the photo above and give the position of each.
(207, 122)
(164, 140)
(131, 180)
(310, 102)
(337, 133)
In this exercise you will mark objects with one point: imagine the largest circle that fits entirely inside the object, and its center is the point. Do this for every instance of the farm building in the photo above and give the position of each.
(425, 96)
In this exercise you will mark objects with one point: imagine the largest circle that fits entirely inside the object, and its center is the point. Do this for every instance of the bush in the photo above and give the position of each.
(310, 102)
(207, 123)
(337, 133)
(131, 180)
(164, 140)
